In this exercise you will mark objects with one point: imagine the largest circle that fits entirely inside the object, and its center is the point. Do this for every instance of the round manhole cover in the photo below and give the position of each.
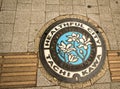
(72, 50)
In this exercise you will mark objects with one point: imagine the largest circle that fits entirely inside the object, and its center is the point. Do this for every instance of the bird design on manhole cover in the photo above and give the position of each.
(72, 50)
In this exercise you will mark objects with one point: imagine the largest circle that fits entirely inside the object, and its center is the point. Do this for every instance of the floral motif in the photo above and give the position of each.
(72, 58)
(66, 48)
(74, 37)
(73, 48)
(85, 42)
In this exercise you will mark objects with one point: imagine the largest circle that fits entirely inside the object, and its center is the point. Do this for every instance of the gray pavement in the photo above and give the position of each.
(20, 20)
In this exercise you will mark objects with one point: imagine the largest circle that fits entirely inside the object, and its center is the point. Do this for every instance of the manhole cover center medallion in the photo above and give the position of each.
(72, 50)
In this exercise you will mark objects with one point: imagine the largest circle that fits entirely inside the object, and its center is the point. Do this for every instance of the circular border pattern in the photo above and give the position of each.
(68, 67)
(104, 67)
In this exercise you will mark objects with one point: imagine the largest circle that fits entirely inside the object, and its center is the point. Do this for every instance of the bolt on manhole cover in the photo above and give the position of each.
(72, 50)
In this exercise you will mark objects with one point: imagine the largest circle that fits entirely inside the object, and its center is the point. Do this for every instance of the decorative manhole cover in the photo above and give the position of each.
(72, 50)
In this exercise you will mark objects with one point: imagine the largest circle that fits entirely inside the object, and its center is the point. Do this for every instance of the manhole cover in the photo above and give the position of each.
(72, 50)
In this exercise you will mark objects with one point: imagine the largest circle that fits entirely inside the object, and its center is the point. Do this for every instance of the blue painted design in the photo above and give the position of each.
(73, 48)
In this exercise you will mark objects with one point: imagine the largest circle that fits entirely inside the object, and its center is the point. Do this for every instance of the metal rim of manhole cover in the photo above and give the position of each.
(71, 49)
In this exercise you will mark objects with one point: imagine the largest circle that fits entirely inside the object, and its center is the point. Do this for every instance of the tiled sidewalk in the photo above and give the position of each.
(20, 20)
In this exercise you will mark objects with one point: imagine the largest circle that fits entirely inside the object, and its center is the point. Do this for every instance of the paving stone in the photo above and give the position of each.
(94, 17)
(116, 16)
(52, 7)
(115, 85)
(102, 86)
(1, 16)
(115, 11)
(51, 87)
(116, 22)
(63, 88)
(114, 8)
(118, 45)
(21, 27)
(38, 17)
(5, 47)
(22, 21)
(111, 36)
(66, 2)
(104, 10)
(51, 15)
(79, 10)
(42, 81)
(91, 2)
(108, 27)
(2, 28)
(78, 2)
(65, 9)
(114, 46)
(114, 5)
(1, 35)
(103, 2)
(52, 1)
(9, 4)
(112, 41)
(105, 17)
(105, 78)
(6, 31)
(20, 41)
(87, 88)
(23, 16)
(7, 16)
(24, 7)
(24, 1)
(117, 32)
(30, 47)
(34, 28)
(92, 87)
(117, 28)
(93, 9)
(0, 4)
(38, 5)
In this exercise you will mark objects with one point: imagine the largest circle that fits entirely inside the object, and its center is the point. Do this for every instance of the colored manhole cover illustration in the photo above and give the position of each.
(72, 50)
